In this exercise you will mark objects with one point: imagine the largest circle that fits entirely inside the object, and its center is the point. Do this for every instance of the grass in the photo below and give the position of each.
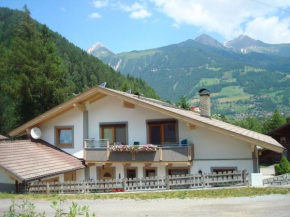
(209, 193)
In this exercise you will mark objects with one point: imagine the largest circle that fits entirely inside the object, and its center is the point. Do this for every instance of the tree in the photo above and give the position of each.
(183, 103)
(276, 120)
(36, 72)
(283, 167)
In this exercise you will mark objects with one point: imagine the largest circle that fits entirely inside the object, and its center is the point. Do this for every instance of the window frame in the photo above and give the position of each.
(56, 135)
(162, 123)
(149, 168)
(130, 168)
(113, 125)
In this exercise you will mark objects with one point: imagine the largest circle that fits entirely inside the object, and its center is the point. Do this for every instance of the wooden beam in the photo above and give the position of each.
(128, 104)
(90, 164)
(126, 165)
(96, 98)
(253, 147)
(190, 126)
(168, 165)
(146, 165)
(107, 164)
(80, 107)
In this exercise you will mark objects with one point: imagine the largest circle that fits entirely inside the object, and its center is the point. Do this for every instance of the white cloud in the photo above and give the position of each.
(269, 30)
(227, 17)
(95, 15)
(100, 4)
(137, 10)
(175, 25)
(140, 14)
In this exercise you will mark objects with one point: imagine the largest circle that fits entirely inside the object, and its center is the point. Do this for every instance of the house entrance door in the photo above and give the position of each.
(107, 173)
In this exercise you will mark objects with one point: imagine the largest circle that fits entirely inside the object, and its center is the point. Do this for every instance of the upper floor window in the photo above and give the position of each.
(64, 136)
(283, 141)
(115, 133)
(162, 132)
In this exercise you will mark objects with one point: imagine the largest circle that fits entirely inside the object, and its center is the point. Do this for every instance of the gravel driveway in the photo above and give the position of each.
(270, 205)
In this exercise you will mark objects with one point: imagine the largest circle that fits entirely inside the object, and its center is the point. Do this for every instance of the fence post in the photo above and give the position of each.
(47, 188)
(84, 187)
(203, 179)
(167, 183)
(124, 185)
(245, 177)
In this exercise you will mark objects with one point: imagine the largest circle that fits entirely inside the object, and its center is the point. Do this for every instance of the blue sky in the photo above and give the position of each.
(136, 25)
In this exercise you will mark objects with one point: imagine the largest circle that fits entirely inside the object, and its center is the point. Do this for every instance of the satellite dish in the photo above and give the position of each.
(103, 84)
(128, 91)
(35, 133)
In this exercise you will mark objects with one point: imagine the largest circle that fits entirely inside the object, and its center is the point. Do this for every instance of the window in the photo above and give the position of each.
(164, 132)
(283, 141)
(64, 136)
(151, 172)
(180, 171)
(115, 133)
(131, 173)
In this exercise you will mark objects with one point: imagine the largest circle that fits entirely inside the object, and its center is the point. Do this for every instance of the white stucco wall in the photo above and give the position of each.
(212, 149)
(72, 117)
(110, 109)
(4, 178)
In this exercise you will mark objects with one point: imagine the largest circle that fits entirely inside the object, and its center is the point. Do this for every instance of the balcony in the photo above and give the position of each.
(101, 151)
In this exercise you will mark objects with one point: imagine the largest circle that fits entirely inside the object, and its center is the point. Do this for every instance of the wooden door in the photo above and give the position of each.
(107, 173)
(70, 176)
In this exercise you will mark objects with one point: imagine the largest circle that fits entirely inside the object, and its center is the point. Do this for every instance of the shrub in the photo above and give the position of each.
(283, 167)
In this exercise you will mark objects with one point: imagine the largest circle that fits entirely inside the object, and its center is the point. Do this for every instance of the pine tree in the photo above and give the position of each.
(283, 167)
(276, 120)
(37, 73)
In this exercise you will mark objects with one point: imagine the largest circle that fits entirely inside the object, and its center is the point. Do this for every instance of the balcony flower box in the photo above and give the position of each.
(133, 148)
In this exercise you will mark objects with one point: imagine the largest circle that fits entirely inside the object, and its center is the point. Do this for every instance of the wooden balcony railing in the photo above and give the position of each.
(99, 151)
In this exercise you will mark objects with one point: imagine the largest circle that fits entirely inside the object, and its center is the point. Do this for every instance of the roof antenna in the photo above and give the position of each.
(103, 85)
(129, 91)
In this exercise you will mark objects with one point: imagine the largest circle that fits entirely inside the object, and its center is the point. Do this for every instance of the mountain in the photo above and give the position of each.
(209, 41)
(239, 82)
(245, 44)
(99, 50)
(39, 69)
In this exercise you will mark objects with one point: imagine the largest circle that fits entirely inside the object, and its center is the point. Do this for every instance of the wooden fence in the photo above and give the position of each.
(206, 180)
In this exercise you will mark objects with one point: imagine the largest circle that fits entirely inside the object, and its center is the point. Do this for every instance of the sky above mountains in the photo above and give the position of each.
(137, 25)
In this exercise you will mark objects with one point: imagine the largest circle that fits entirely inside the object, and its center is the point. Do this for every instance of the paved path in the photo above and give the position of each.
(264, 206)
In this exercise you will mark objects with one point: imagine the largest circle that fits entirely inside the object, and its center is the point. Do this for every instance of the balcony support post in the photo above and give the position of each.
(108, 150)
(160, 154)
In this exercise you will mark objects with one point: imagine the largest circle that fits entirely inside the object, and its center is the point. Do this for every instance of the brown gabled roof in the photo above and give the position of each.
(279, 128)
(25, 160)
(162, 107)
(3, 138)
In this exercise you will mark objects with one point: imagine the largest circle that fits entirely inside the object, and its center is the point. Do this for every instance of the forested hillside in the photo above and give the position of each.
(40, 69)
(254, 83)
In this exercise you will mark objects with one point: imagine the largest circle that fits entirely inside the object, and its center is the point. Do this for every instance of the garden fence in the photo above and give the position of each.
(206, 180)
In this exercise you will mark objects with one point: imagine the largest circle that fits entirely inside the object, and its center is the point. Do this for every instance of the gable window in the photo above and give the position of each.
(64, 136)
(162, 132)
(115, 133)
(283, 141)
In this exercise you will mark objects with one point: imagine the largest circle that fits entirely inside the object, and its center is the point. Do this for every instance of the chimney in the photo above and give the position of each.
(204, 96)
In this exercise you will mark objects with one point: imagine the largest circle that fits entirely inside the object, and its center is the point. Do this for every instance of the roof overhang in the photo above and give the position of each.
(99, 92)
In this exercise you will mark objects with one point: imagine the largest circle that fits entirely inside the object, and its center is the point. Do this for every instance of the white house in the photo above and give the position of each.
(187, 142)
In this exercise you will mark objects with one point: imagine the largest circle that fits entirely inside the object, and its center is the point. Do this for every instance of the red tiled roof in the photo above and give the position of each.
(31, 160)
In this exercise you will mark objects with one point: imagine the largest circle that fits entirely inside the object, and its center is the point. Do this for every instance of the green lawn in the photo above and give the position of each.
(208, 193)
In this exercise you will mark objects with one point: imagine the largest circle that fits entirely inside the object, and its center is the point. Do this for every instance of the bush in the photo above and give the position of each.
(283, 167)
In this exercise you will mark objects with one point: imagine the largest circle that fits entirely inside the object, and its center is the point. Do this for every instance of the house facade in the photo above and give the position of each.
(110, 130)
(281, 135)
